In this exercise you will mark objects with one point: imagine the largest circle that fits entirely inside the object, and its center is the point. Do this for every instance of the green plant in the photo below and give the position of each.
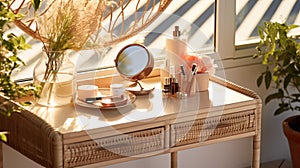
(36, 4)
(10, 45)
(281, 55)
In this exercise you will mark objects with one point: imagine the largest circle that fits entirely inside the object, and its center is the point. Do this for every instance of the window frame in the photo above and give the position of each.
(231, 55)
(225, 28)
(226, 31)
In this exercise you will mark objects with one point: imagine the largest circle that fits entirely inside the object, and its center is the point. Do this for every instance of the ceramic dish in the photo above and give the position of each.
(108, 103)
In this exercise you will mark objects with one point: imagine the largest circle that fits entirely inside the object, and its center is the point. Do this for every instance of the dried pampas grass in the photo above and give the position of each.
(68, 24)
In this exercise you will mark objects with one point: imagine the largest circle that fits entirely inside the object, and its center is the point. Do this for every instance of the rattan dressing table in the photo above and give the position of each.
(75, 136)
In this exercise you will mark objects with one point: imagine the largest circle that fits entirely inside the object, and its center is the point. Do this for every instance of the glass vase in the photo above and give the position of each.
(55, 75)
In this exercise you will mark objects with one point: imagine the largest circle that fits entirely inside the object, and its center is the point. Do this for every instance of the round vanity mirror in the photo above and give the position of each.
(134, 62)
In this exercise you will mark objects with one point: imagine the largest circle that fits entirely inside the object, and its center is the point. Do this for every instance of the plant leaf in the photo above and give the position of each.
(261, 32)
(286, 61)
(268, 78)
(281, 110)
(3, 136)
(292, 27)
(277, 95)
(36, 4)
(259, 80)
(287, 80)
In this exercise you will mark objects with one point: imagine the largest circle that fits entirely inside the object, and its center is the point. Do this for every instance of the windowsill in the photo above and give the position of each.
(242, 58)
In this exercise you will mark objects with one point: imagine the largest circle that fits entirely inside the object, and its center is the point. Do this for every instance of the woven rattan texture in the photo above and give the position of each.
(212, 128)
(114, 147)
(35, 138)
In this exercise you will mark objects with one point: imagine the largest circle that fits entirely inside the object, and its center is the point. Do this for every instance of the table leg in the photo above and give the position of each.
(1, 155)
(257, 141)
(256, 152)
(174, 160)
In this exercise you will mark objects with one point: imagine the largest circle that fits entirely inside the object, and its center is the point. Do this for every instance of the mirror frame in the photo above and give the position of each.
(142, 74)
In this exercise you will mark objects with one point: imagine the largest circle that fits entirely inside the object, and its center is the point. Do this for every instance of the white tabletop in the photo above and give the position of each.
(147, 108)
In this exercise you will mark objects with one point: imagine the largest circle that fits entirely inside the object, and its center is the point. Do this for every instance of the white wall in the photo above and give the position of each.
(233, 154)
(274, 144)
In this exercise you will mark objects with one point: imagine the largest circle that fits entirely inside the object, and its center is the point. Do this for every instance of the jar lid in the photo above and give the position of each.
(116, 86)
(87, 87)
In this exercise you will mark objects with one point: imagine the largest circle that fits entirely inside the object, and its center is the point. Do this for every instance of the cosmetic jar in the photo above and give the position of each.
(116, 89)
(202, 81)
(87, 91)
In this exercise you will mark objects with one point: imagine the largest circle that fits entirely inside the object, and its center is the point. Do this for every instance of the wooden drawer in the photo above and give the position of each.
(114, 147)
(212, 128)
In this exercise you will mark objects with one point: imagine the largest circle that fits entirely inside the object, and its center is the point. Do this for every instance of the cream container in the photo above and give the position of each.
(202, 81)
(116, 89)
(87, 91)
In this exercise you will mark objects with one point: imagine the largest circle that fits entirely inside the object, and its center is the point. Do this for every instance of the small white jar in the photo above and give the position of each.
(87, 91)
(116, 89)
(202, 81)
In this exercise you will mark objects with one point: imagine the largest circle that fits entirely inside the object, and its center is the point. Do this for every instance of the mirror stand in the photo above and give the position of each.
(139, 88)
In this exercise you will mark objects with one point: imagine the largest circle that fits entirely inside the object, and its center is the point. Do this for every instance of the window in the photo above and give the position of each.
(229, 27)
(237, 22)
(196, 19)
(252, 13)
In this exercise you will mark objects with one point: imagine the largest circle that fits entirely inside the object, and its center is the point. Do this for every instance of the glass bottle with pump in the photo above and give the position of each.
(176, 48)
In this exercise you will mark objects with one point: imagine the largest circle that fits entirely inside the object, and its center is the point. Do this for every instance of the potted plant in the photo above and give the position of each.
(281, 55)
(10, 45)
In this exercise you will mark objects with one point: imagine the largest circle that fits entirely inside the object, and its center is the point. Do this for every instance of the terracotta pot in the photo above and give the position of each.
(291, 128)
